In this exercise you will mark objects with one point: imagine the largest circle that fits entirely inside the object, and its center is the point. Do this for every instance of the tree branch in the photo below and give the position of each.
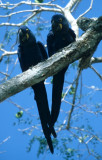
(96, 60)
(96, 72)
(34, 12)
(73, 102)
(84, 46)
(6, 5)
(91, 4)
(5, 140)
(71, 4)
(6, 53)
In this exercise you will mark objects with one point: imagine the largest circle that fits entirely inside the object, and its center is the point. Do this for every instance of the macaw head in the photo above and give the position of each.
(25, 35)
(59, 23)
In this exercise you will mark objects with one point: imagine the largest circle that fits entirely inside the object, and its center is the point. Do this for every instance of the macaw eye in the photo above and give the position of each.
(27, 29)
(60, 19)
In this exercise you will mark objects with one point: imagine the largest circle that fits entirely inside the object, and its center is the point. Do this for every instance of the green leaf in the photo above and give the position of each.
(52, 81)
(19, 114)
(1, 45)
(63, 94)
(81, 139)
(39, 1)
(72, 90)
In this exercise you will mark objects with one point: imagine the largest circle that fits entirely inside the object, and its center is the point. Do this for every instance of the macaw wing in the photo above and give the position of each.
(43, 50)
(50, 43)
(72, 34)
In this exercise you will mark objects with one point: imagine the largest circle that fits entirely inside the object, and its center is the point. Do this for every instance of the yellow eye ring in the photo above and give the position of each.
(60, 19)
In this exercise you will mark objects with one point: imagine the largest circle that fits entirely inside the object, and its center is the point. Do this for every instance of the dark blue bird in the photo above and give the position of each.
(59, 37)
(31, 53)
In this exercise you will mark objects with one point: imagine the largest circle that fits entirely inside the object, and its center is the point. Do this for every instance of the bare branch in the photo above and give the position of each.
(73, 103)
(90, 139)
(15, 13)
(5, 74)
(94, 88)
(96, 72)
(34, 10)
(68, 88)
(30, 129)
(84, 23)
(5, 140)
(83, 130)
(21, 108)
(6, 53)
(72, 3)
(31, 16)
(91, 4)
(96, 60)
(6, 5)
(75, 6)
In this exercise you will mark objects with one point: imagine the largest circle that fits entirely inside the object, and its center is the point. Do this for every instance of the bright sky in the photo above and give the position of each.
(17, 144)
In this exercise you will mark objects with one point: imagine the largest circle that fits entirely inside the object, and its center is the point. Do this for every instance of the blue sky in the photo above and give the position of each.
(16, 146)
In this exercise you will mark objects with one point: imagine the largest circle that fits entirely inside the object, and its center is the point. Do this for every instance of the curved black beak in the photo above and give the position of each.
(56, 26)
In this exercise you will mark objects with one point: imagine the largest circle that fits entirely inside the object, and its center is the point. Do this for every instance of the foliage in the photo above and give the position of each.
(39, 1)
(19, 114)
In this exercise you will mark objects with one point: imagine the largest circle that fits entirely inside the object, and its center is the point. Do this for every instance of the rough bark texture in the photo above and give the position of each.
(85, 46)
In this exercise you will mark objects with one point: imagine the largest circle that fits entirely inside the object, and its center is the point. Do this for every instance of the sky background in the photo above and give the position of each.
(15, 148)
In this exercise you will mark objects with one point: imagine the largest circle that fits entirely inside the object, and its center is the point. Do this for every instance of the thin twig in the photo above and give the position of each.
(5, 74)
(74, 97)
(96, 60)
(83, 130)
(90, 139)
(28, 3)
(61, 126)
(71, 4)
(75, 6)
(68, 88)
(80, 90)
(91, 4)
(19, 107)
(96, 72)
(6, 53)
(5, 140)
(35, 12)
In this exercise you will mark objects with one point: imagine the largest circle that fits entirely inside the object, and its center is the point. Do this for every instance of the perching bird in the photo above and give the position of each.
(59, 37)
(31, 53)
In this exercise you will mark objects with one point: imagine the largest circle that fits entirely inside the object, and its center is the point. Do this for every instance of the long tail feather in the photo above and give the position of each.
(44, 113)
(58, 81)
